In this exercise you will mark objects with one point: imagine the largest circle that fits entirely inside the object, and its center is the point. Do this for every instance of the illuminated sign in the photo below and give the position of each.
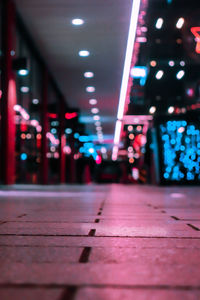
(196, 32)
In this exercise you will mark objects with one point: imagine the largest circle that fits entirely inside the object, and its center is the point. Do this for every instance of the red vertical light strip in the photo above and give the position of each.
(62, 144)
(8, 95)
(44, 122)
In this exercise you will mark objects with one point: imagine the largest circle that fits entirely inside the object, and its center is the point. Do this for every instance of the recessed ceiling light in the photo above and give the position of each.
(159, 74)
(171, 63)
(90, 89)
(96, 118)
(180, 74)
(88, 74)
(171, 109)
(84, 53)
(77, 22)
(159, 23)
(95, 110)
(152, 109)
(24, 89)
(153, 63)
(180, 23)
(35, 101)
(93, 101)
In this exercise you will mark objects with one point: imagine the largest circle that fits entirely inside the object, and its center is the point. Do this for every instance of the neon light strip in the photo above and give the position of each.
(127, 65)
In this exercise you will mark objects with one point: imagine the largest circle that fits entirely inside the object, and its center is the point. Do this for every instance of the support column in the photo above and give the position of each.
(44, 122)
(8, 94)
(62, 139)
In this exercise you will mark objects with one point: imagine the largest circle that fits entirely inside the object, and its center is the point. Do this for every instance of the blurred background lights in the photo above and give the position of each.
(77, 22)
(88, 74)
(84, 53)
(159, 74)
(159, 23)
(171, 109)
(95, 110)
(180, 23)
(180, 74)
(93, 101)
(90, 89)
(152, 109)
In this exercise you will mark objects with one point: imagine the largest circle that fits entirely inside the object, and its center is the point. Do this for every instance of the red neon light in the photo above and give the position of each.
(72, 115)
(196, 32)
(53, 116)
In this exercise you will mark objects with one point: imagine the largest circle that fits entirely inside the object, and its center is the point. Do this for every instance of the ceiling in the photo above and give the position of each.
(104, 34)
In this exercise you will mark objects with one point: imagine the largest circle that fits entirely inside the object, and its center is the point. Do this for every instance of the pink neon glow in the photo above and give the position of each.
(52, 138)
(196, 32)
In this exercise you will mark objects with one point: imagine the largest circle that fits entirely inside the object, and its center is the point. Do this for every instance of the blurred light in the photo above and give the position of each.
(130, 128)
(190, 92)
(139, 72)
(117, 131)
(91, 150)
(88, 74)
(52, 149)
(144, 29)
(182, 63)
(153, 63)
(28, 136)
(131, 136)
(159, 74)
(23, 136)
(53, 130)
(103, 150)
(23, 72)
(39, 136)
(181, 129)
(84, 53)
(159, 23)
(24, 89)
(90, 89)
(67, 150)
(128, 57)
(99, 128)
(180, 23)
(139, 128)
(141, 39)
(152, 109)
(12, 52)
(35, 101)
(77, 22)
(171, 109)
(17, 107)
(68, 130)
(171, 63)
(39, 128)
(23, 156)
(180, 74)
(195, 31)
(76, 135)
(135, 173)
(131, 160)
(96, 118)
(98, 160)
(93, 101)
(95, 110)
(98, 123)
(179, 41)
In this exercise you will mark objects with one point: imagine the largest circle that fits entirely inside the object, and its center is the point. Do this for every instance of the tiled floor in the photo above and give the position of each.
(99, 242)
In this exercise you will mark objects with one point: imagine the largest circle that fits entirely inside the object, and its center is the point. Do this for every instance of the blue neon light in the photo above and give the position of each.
(180, 150)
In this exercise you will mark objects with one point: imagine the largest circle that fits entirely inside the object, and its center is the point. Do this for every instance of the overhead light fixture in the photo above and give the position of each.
(88, 74)
(94, 110)
(159, 74)
(96, 118)
(159, 23)
(78, 22)
(180, 23)
(35, 101)
(93, 101)
(171, 109)
(126, 71)
(90, 89)
(180, 74)
(84, 53)
(23, 72)
(24, 89)
(171, 63)
(152, 110)
(153, 63)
